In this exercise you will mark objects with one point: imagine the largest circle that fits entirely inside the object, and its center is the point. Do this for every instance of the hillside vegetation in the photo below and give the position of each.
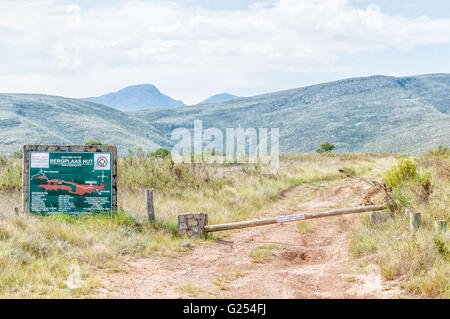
(43, 119)
(369, 114)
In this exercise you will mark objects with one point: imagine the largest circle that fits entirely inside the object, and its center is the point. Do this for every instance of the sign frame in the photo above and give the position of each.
(29, 149)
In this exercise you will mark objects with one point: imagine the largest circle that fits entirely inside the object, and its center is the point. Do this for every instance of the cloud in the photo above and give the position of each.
(101, 48)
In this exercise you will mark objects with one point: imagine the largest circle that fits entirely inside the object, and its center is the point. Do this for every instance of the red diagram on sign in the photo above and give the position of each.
(71, 187)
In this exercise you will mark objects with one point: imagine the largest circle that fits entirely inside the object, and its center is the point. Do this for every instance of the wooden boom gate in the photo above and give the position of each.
(196, 224)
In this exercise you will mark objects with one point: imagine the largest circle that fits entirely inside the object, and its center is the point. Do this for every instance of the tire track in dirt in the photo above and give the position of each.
(315, 264)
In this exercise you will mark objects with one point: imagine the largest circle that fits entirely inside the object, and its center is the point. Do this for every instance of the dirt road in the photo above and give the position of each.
(274, 261)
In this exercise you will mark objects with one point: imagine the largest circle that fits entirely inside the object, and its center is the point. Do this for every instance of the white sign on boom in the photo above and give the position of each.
(289, 218)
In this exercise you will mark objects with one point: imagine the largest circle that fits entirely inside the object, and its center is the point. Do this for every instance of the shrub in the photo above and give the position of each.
(405, 170)
(18, 154)
(94, 143)
(405, 177)
(440, 151)
(325, 147)
(161, 153)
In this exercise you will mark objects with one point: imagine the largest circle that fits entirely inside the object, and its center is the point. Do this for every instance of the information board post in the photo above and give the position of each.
(72, 179)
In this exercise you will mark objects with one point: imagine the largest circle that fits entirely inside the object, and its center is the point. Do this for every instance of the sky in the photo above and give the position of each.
(192, 49)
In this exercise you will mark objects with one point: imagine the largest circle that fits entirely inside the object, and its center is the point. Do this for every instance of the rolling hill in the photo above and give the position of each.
(223, 97)
(136, 97)
(43, 119)
(366, 114)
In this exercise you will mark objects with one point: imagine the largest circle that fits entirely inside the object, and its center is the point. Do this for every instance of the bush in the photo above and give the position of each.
(161, 153)
(325, 147)
(18, 154)
(405, 170)
(440, 151)
(94, 143)
(404, 178)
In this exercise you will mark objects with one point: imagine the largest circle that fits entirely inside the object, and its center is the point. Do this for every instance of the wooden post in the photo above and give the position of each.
(414, 221)
(149, 201)
(440, 226)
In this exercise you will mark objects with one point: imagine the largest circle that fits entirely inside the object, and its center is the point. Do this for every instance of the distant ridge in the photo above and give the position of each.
(136, 97)
(409, 114)
(223, 97)
(46, 119)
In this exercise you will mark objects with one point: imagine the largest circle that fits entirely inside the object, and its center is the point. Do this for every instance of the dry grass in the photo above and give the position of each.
(234, 193)
(421, 260)
(192, 290)
(223, 281)
(10, 174)
(263, 253)
(304, 227)
(38, 253)
(58, 256)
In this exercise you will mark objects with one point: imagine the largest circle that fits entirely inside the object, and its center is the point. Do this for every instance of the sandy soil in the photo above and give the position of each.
(315, 264)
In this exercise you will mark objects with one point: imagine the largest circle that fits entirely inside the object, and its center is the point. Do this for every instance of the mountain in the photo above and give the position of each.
(224, 97)
(136, 97)
(365, 114)
(368, 114)
(44, 119)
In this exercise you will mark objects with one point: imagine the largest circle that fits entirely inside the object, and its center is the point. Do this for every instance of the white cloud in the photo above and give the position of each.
(188, 52)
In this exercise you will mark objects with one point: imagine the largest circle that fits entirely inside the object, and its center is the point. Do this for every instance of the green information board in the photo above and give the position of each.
(70, 182)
